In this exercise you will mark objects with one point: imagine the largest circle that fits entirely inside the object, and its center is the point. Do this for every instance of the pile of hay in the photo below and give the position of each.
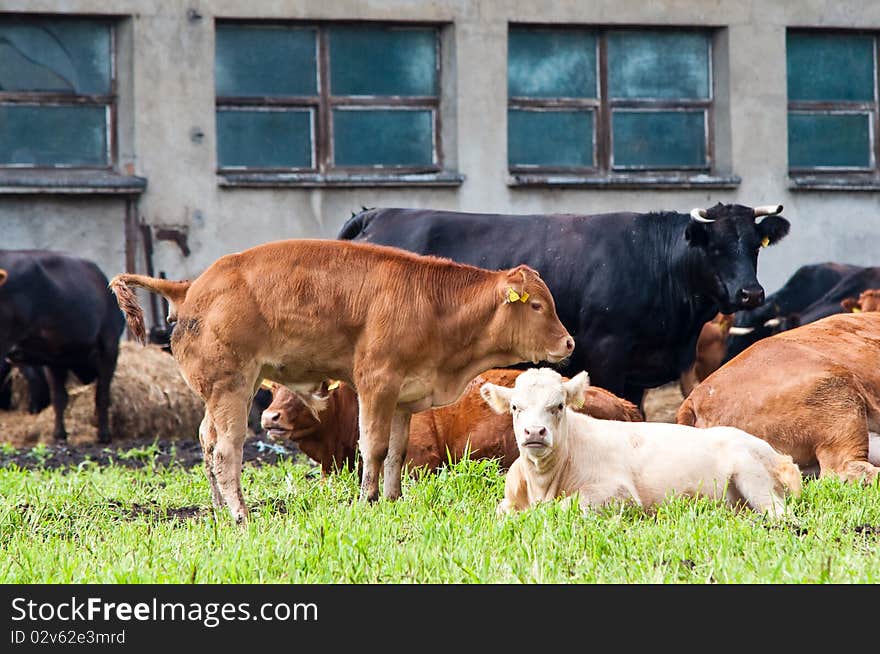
(19, 393)
(148, 399)
(661, 404)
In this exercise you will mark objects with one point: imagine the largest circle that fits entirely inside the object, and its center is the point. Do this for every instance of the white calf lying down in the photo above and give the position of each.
(565, 453)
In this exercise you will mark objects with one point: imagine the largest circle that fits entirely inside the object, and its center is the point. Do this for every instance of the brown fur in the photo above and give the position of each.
(407, 331)
(436, 435)
(711, 350)
(3, 276)
(811, 392)
(869, 300)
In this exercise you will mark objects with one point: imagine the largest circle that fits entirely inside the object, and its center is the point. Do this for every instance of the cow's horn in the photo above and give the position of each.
(773, 322)
(740, 331)
(768, 210)
(700, 215)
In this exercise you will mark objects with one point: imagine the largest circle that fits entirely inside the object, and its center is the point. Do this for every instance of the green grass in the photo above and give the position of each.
(116, 525)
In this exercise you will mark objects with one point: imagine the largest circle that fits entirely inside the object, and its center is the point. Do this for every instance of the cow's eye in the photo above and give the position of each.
(513, 407)
(536, 306)
(560, 407)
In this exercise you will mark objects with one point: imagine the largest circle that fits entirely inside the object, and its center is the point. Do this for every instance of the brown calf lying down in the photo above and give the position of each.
(564, 453)
(868, 301)
(812, 392)
(326, 429)
(407, 331)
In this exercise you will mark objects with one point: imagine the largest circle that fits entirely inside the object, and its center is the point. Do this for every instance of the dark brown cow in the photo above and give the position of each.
(868, 301)
(407, 331)
(812, 392)
(326, 430)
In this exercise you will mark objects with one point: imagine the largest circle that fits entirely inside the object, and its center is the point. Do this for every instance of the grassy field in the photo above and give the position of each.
(111, 524)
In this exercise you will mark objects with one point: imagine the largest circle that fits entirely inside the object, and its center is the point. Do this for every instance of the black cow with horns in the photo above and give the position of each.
(56, 311)
(634, 289)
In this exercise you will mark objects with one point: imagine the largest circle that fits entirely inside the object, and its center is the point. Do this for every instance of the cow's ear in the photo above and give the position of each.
(696, 234)
(773, 229)
(575, 388)
(3, 276)
(497, 397)
(849, 304)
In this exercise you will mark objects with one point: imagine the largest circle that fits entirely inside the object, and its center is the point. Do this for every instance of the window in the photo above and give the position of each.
(832, 102)
(609, 101)
(329, 97)
(57, 93)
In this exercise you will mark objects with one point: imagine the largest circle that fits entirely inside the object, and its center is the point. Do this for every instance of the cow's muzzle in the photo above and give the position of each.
(749, 298)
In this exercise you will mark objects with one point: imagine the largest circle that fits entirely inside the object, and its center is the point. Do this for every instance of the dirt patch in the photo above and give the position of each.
(138, 453)
(662, 403)
(156, 513)
(869, 530)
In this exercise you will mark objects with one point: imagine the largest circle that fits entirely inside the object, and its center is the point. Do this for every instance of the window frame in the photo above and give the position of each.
(603, 107)
(55, 99)
(840, 107)
(324, 103)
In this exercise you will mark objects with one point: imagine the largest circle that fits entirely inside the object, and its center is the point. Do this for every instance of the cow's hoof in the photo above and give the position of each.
(104, 438)
(61, 437)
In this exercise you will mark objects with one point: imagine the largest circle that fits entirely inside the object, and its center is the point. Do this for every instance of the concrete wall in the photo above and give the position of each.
(169, 94)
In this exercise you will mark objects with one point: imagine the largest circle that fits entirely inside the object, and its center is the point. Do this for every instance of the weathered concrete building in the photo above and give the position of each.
(157, 135)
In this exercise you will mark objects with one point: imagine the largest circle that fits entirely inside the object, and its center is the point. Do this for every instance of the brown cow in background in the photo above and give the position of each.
(407, 331)
(812, 392)
(868, 301)
(327, 430)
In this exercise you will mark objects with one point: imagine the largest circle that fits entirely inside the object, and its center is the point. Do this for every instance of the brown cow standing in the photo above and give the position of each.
(407, 331)
(868, 301)
(326, 430)
(711, 350)
(812, 392)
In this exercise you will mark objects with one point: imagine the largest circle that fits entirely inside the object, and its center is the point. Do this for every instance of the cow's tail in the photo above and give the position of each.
(685, 414)
(355, 225)
(789, 474)
(173, 291)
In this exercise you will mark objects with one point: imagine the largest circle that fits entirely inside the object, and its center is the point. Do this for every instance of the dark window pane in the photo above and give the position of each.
(830, 67)
(550, 138)
(383, 61)
(658, 64)
(264, 139)
(383, 138)
(841, 140)
(272, 61)
(545, 64)
(62, 56)
(46, 136)
(659, 139)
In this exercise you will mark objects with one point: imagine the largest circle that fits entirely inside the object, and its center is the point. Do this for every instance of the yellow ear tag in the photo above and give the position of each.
(856, 310)
(524, 297)
(266, 384)
(333, 386)
(765, 241)
(512, 296)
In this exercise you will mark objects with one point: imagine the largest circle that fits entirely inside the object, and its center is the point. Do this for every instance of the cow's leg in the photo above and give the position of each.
(376, 412)
(850, 463)
(228, 409)
(5, 385)
(396, 453)
(57, 381)
(844, 445)
(755, 484)
(39, 396)
(208, 439)
(106, 368)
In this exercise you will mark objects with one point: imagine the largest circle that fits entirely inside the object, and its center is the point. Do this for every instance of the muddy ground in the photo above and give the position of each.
(137, 453)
